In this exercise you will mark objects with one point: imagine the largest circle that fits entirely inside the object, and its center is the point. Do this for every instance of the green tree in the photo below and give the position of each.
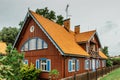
(105, 51)
(29, 72)
(9, 34)
(5, 70)
(50, 15)
(14, 61)
(108, 61)
(59, 19)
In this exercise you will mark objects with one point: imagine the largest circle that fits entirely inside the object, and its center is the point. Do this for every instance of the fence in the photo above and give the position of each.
(93, 75)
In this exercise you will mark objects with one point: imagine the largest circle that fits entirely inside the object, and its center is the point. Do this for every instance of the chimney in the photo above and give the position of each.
(67, 24)
(77, 29)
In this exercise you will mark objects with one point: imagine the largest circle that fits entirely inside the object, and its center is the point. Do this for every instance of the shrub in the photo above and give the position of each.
(54, 74)
(29, 72)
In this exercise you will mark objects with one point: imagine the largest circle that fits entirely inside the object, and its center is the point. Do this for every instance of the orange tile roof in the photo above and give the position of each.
(85, 36)
(3, 47)
(102, 55)
(63, 38)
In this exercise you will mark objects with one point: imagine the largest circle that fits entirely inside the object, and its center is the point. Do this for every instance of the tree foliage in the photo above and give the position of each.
(54, 74)
(5, 70)
(105, 51)
(50, 15)
(116, 61)
(29, 72)
(108, 61)
(12, 63)
(9, 34)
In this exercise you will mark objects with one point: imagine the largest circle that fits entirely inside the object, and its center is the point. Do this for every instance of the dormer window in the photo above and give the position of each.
(34, 44)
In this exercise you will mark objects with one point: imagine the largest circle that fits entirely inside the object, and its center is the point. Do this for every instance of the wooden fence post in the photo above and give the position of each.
(88, 77)
(96, 74)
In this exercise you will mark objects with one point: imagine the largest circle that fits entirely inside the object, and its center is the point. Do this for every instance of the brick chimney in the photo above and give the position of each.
(67, 24)
(77, 29)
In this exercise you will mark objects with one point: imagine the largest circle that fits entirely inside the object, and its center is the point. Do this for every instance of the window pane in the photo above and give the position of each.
(39, 44)
(45, 45)
(43, 65)
(26, 46)
(32, 44)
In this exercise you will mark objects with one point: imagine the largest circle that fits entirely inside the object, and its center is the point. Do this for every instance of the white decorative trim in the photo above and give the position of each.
(27, 15)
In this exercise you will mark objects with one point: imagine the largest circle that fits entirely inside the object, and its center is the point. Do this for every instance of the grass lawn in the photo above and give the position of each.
(114, 75)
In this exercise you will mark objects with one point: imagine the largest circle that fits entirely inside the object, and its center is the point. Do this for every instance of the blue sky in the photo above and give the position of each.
(102, 15)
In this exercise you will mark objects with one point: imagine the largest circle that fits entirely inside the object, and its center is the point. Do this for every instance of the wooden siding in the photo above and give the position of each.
(58, 61)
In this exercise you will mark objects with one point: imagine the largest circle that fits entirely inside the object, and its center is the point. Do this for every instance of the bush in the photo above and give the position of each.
(109, 62)
(116, 61)
(54, 74)
(29, 72)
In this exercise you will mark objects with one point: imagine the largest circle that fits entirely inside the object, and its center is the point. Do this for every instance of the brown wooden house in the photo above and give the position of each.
(51, 46)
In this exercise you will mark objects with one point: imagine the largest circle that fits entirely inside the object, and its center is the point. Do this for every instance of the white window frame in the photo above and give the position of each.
(44, 66)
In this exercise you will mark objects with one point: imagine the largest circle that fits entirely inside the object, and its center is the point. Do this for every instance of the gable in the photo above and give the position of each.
(60, 36)
(87, 37)
(61, 39)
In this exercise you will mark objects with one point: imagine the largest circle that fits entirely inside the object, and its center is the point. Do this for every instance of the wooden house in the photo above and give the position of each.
(51, 46)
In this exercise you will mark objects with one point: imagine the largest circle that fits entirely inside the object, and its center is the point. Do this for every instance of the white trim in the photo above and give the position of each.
(27, 15)
(46, 34)
(97, 37)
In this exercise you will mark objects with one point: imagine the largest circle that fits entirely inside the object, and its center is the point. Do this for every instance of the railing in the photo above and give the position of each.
(93, 75)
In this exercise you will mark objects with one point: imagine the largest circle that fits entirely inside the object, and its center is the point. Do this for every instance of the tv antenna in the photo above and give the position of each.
(66, 10)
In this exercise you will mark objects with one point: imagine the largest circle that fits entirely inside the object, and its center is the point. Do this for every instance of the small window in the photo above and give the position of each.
(73, 65)
(25, 61)
(103, 63)
(86, 64)
(97, 64)
(44, 64)
(90, 64)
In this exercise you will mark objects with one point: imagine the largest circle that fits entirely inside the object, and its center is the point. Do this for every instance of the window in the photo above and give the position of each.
(44, 64)
(90, 64)
(86, 64)
(103, 63)
(73, 64)
(39, 43)
(97, 63)
(34, 44)
(93, 64)
(25, 61)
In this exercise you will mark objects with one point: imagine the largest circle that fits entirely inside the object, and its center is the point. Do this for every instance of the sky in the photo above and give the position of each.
(102, 15)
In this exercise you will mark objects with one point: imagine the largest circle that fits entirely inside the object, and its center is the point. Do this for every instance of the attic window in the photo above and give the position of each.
(32, 29)
(34, 44)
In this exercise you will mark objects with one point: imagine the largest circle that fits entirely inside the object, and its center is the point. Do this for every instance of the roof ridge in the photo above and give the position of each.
(88, 31)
